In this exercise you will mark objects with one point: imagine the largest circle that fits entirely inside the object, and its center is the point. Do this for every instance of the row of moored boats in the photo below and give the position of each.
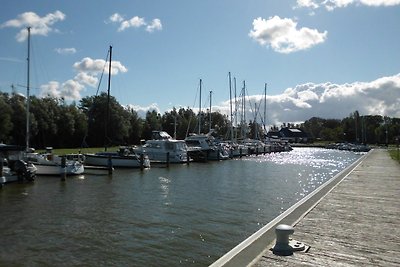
(17, 164)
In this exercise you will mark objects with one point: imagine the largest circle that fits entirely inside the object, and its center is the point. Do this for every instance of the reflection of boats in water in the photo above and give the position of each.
(201, 147)
(163, 148)
(12, 167)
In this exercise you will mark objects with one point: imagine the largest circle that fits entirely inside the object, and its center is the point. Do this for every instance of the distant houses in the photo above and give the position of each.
(292, 135)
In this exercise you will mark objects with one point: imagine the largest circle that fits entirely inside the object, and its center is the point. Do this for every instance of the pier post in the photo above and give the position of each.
(1, 167)
(240, 152)
(63, 168)
(167, 159)
(109, 165)
(142, 162)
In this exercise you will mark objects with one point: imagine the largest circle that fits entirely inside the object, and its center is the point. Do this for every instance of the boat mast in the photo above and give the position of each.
(230, 102)
(243, 110)
(210, 112)
(265, 108)
(236, 106)
(27, 90)
(200, 109)
(108, 102)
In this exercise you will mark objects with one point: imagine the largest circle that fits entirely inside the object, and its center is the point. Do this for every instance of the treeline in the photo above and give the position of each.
(368, 129)
(55, 123)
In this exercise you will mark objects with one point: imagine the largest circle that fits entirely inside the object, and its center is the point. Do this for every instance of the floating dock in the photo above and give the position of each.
(353, 220)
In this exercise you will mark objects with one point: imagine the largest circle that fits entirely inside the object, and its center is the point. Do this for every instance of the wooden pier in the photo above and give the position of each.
(356, 224)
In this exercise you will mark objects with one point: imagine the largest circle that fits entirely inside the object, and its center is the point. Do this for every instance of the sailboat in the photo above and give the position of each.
(125, 157)
(203, 147)
(46, 164)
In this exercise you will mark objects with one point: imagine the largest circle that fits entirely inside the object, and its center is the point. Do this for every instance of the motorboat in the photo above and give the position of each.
(162, 148)
(12, 167)
(201, 147)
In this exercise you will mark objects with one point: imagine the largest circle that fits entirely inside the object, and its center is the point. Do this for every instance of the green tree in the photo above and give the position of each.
(6, 124)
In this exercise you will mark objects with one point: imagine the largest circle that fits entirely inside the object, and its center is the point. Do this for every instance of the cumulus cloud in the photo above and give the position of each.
(327, 100)
(69, 90)
(134, 22)
(39, 25)
(154, 25)
(96, 66)
(333, 4)
(88, 71)
(65, 51)
(283, 36)
(143, 110)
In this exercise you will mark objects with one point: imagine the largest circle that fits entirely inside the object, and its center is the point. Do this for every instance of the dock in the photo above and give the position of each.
(352, 221)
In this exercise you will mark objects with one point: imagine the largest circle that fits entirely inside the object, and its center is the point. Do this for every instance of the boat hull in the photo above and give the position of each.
(116, 161)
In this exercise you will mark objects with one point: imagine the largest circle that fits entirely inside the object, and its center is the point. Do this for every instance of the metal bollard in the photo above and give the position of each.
(284, 246)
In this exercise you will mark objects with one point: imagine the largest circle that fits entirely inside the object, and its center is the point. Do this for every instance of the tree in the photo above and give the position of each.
(152, 123)
(6, 124)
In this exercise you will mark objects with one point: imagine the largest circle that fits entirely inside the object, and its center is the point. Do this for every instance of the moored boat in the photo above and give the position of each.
(124, 158)
(12, 167)
(162, 148)
(50, 164)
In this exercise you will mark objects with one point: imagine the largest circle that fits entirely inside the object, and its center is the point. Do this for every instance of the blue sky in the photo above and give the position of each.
(323, 58)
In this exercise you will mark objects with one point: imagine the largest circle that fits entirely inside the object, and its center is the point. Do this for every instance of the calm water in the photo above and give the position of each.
(181, 216)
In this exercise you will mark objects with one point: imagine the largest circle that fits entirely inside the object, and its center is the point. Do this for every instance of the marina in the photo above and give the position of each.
(187, 214)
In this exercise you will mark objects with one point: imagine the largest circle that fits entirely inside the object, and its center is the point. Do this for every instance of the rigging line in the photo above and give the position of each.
(102, 73)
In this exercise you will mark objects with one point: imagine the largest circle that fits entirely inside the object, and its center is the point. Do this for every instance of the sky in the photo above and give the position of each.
(316, 58)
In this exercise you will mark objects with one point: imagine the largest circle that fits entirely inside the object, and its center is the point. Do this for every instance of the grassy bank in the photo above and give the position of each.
(394, 153)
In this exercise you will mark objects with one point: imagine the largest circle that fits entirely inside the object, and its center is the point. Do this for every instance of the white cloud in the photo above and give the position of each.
(154, 25)
(69, 90)
(87, 79)
(283, 36)
(143, 110)
(116, 18)
(333, 4)
(96, 66)
(327, 100)
(87, 71)
(51, 89)
(39, 25)
(134, 22)
(65, 51)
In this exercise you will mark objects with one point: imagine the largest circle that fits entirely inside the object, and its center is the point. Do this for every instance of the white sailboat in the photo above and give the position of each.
(125, 157)
(46, 164)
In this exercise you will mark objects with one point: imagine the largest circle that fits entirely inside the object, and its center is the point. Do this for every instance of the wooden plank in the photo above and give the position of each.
(355, 224)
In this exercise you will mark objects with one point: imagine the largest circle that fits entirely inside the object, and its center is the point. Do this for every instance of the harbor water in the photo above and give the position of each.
(184, 215)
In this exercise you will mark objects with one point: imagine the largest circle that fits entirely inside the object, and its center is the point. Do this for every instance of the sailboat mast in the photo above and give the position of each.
(236, 106)
(27, 90)
(265, 108)
(108, 101)
(210, 112)
(230, 103)
(243, 109)
(200, 109)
